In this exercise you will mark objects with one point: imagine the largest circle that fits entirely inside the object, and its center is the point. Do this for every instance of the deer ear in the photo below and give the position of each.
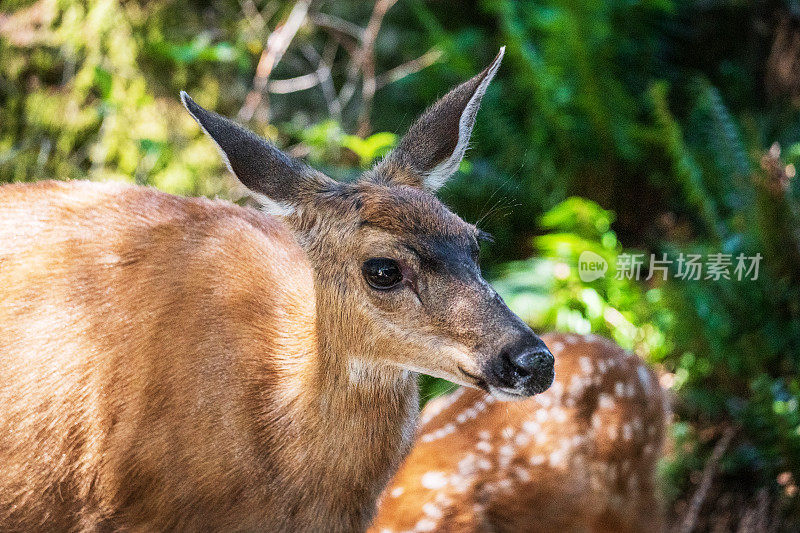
(434, 146)
(280, 182)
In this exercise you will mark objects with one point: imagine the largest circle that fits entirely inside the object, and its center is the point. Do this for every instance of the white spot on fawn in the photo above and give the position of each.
(644, 379)
(432, 510)
(557, 458)
(577, 383)
(443, 499)
(440, 404)
(606, 401)
(460, 484)
(522, 474)
(466, 466)
(483, 446)
(530, 426)
(544, 400)
(433, 480)
(426, 524)
(397, 492)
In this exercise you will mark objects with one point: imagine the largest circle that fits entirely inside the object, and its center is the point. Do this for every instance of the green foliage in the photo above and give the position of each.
(372, 148)
(548, 293)
(326, 140)
(737, 343)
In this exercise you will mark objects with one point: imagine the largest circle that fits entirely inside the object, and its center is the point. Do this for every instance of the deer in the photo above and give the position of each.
(171, 363)
(581, 456)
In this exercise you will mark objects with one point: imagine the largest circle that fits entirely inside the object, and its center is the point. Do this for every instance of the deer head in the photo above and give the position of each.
(396, 273)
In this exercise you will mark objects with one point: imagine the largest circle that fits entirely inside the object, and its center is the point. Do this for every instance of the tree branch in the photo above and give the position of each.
(689, 521)
(277, 43)
(401, 71)
(292, 85)
(366, 60)
(338, 26)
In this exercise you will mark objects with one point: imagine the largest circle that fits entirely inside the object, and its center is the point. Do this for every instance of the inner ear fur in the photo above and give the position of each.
(435, 144)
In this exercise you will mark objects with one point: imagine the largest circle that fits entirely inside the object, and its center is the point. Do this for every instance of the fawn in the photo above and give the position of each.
(177, 363)
(579, 457)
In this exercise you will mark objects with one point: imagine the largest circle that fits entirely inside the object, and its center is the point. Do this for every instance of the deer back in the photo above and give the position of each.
(140, 333)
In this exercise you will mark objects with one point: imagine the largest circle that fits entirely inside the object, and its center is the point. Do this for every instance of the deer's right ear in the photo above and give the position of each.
(280, 182)
(435, 145)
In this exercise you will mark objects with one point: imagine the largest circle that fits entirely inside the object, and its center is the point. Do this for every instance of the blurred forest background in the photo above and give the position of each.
(616, 126)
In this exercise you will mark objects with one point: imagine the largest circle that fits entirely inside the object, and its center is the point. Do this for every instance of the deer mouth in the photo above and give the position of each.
(506, 394)
(476, 381)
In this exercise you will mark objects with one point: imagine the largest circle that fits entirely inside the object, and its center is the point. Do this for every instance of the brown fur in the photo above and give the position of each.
(134, 377)
(579, 457)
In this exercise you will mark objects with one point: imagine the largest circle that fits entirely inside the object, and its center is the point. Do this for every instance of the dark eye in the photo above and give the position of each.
(382, 273)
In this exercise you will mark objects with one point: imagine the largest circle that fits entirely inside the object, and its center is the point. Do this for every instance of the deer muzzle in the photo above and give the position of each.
(522, 368)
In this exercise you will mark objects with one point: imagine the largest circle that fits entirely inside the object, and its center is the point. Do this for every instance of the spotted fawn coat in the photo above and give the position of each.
(579, 457)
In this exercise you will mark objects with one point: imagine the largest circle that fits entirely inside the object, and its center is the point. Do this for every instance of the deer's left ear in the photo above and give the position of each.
(282, 184)
(434, 146)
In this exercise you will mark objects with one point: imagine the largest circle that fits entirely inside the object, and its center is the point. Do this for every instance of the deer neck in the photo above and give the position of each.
(353, 421)
(379, 400)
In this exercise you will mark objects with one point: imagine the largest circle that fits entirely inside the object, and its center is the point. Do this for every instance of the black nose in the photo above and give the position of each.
(534, 362)
(526, 366)
(536, 370)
